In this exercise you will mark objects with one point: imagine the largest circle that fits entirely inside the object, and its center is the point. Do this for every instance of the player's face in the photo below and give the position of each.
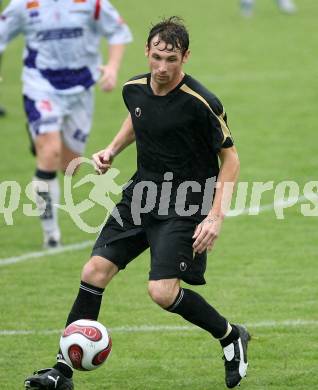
(165, 65)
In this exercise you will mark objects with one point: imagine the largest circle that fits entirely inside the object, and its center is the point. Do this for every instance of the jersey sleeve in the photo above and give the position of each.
(126, 94)
(218, 116)
(11, 23)
(111, 24)
(139, 80)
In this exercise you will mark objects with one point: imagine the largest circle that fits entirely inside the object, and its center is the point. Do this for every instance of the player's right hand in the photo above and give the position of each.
(103, 160)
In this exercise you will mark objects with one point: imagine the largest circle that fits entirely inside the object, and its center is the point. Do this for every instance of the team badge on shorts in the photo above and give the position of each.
(138, 112)
(183, 266)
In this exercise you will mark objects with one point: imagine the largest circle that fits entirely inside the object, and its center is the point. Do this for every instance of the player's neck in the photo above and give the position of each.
(162, 90)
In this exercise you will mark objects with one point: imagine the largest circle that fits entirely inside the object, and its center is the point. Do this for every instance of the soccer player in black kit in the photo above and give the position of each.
(181, 133)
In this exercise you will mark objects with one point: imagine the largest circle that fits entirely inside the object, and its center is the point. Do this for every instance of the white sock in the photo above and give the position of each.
(247, 7)
(287, 5)
(247, 2)
(47, 196)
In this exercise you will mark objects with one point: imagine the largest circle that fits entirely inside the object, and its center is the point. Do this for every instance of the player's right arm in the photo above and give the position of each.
(104, 158)
(11, 22)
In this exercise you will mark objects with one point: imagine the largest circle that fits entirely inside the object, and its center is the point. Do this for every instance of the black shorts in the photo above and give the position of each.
(169, 239)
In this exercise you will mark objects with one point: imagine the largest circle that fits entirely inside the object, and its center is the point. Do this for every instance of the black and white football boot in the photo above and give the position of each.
(48, 379)
(235, 358)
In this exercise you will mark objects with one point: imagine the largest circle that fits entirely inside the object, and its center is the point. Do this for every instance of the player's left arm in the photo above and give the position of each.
(118, 34)
(11, 22)
(109, 71)
(209, 229)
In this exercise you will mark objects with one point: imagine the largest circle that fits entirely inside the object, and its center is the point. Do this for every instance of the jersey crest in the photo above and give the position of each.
(34, 4)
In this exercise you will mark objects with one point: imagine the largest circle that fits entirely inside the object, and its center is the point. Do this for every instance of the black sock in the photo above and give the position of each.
(64, 369)
(193, 308)
(86, 306)
(87, 303)
(233, 335)
(45, 175)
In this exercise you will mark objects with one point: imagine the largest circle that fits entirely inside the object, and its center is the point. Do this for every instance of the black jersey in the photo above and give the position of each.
(181, 132)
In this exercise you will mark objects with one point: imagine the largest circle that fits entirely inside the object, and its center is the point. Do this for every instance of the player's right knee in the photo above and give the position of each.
(48, 158)
(48, 150)
(98, 271)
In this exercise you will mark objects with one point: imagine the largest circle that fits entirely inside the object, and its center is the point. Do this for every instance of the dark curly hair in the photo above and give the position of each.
(172, 32)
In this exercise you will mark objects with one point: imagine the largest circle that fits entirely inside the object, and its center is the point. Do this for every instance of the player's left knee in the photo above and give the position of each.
(162, 294)
(67, 172)
(69, 166)
(70, 161)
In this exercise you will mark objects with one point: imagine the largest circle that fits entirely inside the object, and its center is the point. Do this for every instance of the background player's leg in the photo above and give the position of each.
(46, 185)
(287, 6)
(67, 155)
(76, 127)
(2, 111)
(247, 7)
(44, 117)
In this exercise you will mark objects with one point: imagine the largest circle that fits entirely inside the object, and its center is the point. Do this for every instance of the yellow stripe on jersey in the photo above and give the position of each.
(138, 81)
(225, 129)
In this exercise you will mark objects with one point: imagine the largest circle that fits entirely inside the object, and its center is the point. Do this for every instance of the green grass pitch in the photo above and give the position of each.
(262, 272)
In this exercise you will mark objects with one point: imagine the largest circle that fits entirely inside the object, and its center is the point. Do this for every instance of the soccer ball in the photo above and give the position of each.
(85, 344)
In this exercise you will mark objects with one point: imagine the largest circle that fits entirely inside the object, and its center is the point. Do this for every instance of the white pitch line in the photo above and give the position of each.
(46, 252)
(166, 328)
(270, 206)
(86, 244)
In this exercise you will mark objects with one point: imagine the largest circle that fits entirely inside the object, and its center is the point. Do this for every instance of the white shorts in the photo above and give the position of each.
(69, 114)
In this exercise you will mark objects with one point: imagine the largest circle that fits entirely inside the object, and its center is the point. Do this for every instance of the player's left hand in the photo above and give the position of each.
(206, 233)
(108, 78)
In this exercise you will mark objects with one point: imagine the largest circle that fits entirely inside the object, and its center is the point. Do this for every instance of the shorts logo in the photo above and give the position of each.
(138, 112)
(79, 135)
(46, 105)
(183, 266)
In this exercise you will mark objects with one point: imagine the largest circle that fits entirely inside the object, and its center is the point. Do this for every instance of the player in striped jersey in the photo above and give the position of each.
(286, 6)
(61, 64)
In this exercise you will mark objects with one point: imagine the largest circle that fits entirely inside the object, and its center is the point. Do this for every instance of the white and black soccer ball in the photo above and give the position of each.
(85, 344)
